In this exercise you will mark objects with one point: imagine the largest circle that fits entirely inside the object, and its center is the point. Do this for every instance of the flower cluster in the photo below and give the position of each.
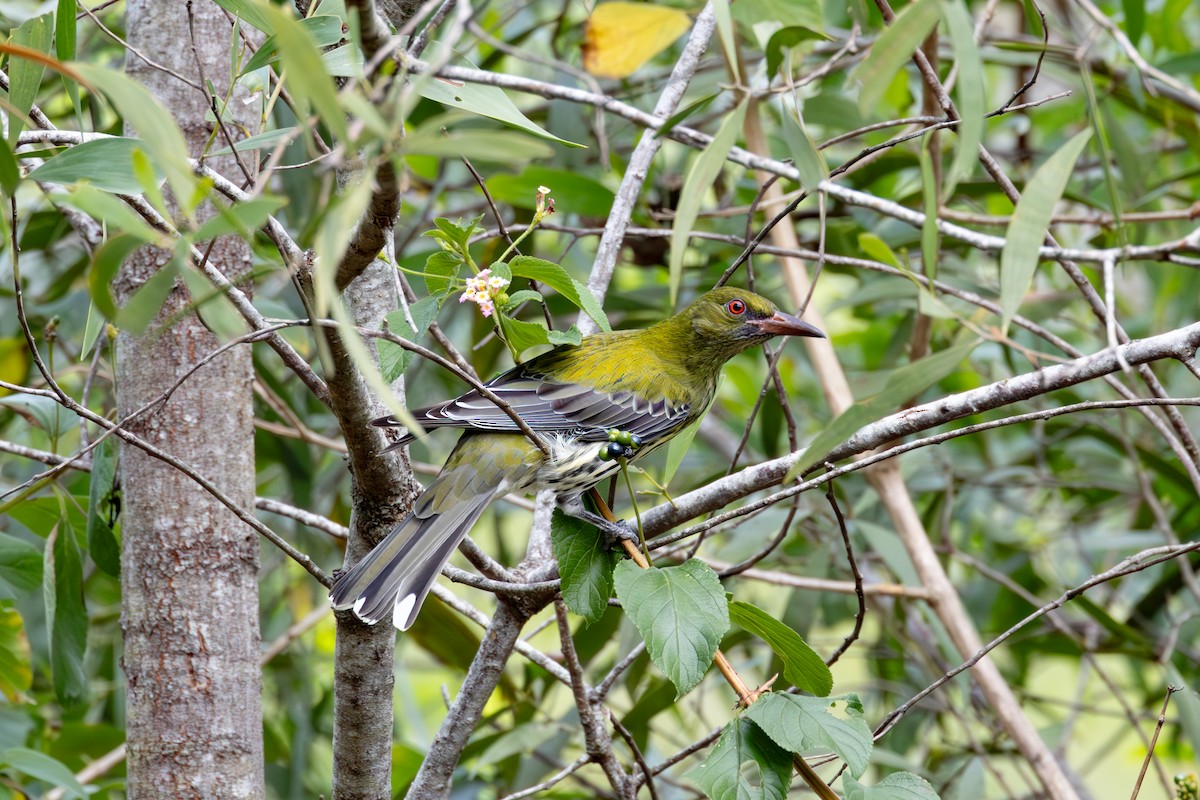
(483, 289)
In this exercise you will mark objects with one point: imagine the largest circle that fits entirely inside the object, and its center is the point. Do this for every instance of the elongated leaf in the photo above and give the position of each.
(20, 567)
(807, 157)
(892, 50)
(681, 613)
(311, 86)
(701, 176)
(63, 590)
(155, 126)
(897, 786)
(44, 768)
(585, 564)
(16, 669)
(112, 212)
(101, 541)
(904, 383)
(799, 724)
(802, 667)
(493, 147)
(744, 764)
(486, 101)
(1027, 230)
(250, 11)
(559, 280)
(106, 260)
(25, 75)
(259, 142)
(677, 448)
(10, 171)
(970, 92)
(325, 30)
(141, 309)
(104, 163)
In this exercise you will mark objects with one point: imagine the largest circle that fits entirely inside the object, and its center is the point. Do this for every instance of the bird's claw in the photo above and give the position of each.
(618, 532)
(621, 445)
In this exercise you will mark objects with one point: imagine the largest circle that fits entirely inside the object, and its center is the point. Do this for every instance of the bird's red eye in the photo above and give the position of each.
(736, 307)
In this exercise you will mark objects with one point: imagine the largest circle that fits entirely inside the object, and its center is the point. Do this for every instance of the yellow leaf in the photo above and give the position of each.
(621, 37)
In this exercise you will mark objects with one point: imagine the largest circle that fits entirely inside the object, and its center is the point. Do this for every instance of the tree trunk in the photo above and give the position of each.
(189, 569)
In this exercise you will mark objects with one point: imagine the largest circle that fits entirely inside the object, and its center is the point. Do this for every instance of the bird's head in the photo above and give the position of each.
(720, 324)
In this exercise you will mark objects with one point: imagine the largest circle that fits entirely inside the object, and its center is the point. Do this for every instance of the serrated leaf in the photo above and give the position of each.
(1027, 230)
(43, 768)
(904, 383)
(558, 279)
(394, 359)
(441, 268)
(680, 611)
(802, 667)
(101, 541)
(744, 764)
(20, 567)
(585, 564)
(700, 177)
(892, 50)
(800, 724)
(104, 163)
(487, 101)
(63, 591)
(897, 786)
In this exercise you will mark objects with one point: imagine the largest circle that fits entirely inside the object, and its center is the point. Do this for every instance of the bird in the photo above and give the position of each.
(614, 398)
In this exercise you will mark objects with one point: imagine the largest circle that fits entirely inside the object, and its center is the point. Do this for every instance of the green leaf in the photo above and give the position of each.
(802, 667)
(897, 786)
(441, 269)
(701, 176)
(785, 39)
(16, 669)
(310, 85)
(112, 212)
(43, 768)
(101, 541)
(522, 335)
(573, 193)
(585, 564)
(141, 309)
(48, 414)
(677, 448)
(807, 157)
(106, 261)
(20, 567)
(970, 92)
(892, 50)
(1027, 231)
(104, 163)
(487, 101)
(240, 218)
(10, 171)
(24, 74)
(65, 30)
(744, 764)
(492, 147)
(63, 590)
(325, 30)
(249, 11)
(681, 613)
(559, 280)
(265, 139)
(155, 126)
(903, 384)
(1135, 19)
(798, 723)
(394, 359)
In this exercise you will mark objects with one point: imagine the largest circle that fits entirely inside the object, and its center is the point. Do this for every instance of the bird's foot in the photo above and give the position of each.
(621, 445)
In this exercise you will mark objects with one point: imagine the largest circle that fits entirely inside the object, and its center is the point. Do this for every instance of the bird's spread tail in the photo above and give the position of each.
(396, 576)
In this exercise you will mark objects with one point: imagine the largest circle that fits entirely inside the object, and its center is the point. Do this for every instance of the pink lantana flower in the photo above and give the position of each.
(482, 290)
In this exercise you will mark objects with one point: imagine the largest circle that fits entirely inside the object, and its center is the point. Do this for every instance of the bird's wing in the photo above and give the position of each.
(551, 406)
